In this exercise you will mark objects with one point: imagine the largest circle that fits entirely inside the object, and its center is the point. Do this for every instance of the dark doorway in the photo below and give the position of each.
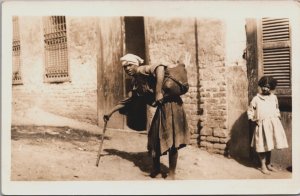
(135, 44)
(135, 36)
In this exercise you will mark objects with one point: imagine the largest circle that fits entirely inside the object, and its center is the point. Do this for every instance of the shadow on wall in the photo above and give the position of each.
(238, 147)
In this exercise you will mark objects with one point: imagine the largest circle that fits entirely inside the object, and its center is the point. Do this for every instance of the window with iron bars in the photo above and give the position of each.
(16, 53)
(56, 49)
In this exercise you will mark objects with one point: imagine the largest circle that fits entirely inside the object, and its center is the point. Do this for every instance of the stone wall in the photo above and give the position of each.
(213, 92)
(75, 99)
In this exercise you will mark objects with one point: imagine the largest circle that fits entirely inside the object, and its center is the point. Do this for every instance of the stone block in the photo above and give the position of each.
(207, 145)
(219, 146)
(220, 151)
(221, 107)
(213, 125)
(203, 144)
(222, 70)
(195, 136)
(213, 101)
(212, 150)
(216, 95)
(205, 95)
(223, 101)
(223, 113)
(194, 142)
(222, 88)
(223, 125)
(212, 139)
(224, 140)
(203, 138)
(218, 132)
(206, 131)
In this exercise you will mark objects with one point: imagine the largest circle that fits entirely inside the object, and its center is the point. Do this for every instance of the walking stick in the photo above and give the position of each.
(101, 144)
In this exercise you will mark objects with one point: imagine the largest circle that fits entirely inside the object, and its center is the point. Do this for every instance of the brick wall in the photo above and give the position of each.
(213, 86)
(223, 86)
(75, 99)
(213, 121)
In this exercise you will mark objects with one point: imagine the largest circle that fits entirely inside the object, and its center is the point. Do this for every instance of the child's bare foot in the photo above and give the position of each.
(264, 170)
(271, 168)
(171, 176)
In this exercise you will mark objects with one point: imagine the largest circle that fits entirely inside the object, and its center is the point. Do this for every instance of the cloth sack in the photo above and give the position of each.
(176, 81)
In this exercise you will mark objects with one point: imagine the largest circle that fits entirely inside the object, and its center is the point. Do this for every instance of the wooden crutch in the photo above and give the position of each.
(101, 144)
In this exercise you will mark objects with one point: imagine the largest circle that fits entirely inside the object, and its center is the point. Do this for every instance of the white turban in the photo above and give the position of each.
(131, 59)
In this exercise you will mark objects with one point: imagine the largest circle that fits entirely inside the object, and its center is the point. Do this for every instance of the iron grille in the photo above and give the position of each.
(56, 50)
(16, 52)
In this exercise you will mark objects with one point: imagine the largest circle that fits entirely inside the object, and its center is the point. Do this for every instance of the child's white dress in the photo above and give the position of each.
(269, 133)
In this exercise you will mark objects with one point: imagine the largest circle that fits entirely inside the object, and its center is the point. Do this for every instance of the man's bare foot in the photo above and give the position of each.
(154, 173)
(271, 168)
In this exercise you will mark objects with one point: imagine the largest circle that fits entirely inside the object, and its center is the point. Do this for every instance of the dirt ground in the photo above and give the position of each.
(62, 153)
(48, 147)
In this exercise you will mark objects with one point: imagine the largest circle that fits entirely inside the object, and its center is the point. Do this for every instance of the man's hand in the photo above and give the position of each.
(159, 98)
(106, 117)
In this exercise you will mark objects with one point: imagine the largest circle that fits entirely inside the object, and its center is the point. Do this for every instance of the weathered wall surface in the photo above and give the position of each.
(251, 55)
(211, 55)
(237, 89)
(75, 99)
(170, 40)
(223, 86)
(283, 157)
(237, 97)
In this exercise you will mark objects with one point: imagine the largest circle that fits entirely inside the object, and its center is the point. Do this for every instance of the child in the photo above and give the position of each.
(269, 133)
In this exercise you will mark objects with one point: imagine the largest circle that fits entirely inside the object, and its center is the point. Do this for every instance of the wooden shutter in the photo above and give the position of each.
(276, 58)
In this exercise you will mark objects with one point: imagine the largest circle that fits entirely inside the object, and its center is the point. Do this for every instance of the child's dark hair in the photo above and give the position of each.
(268, 80)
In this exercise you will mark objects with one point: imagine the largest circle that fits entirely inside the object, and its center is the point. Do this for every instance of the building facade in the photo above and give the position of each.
(69, 66)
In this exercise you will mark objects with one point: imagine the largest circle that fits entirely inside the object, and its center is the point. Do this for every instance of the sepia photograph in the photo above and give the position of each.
(150, 97)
